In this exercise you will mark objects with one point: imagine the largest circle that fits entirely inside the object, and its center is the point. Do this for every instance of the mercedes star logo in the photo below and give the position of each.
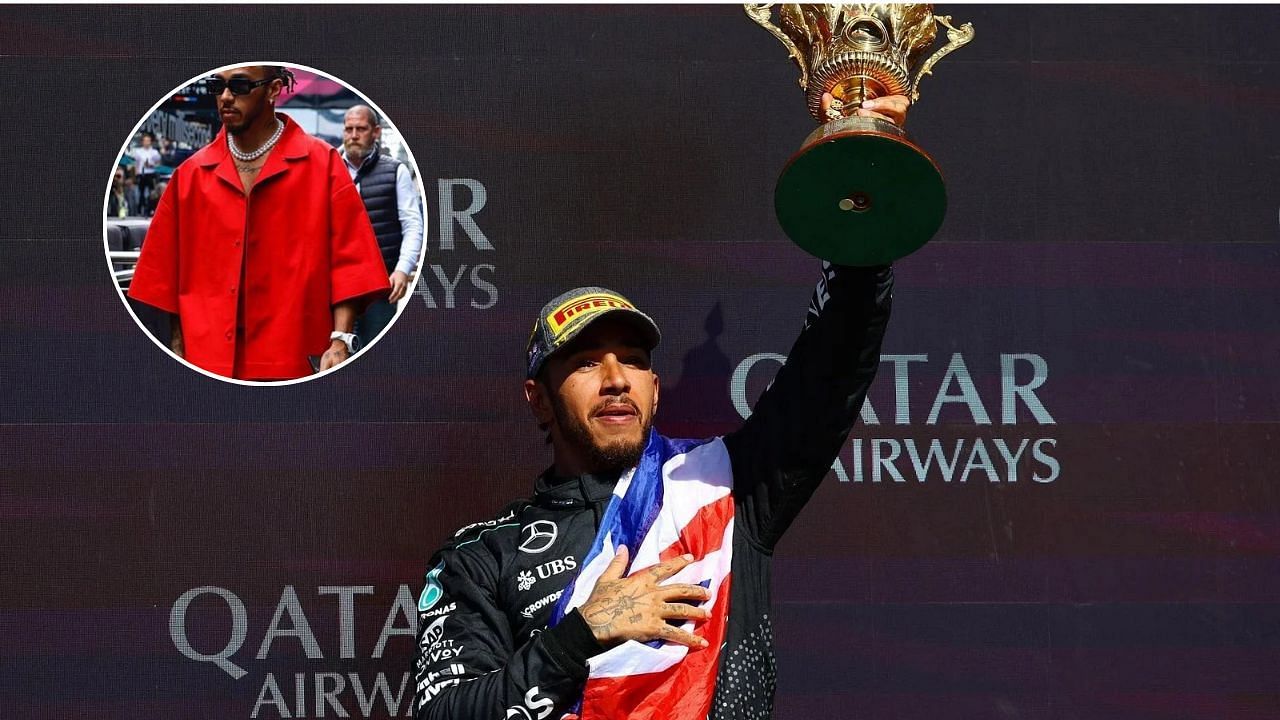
(538, 536)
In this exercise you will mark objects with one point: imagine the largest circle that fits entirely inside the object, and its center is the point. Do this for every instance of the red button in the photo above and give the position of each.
(228, 334)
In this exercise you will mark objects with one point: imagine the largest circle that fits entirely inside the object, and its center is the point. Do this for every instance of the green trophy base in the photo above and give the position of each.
(860, 193)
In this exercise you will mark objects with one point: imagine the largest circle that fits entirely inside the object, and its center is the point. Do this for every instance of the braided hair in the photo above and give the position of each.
(284, 74)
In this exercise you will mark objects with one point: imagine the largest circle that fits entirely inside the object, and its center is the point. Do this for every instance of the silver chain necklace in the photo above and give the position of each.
(242, 156)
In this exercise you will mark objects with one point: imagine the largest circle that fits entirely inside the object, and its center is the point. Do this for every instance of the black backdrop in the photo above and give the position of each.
(1100, 306)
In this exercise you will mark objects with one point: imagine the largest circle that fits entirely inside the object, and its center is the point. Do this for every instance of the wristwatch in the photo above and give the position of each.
(349, 339)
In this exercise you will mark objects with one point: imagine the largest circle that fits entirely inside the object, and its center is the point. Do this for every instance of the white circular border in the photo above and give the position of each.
(106, 248)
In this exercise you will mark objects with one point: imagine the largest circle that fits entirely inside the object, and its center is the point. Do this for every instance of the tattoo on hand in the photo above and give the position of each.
(634, 607)
(615, 600)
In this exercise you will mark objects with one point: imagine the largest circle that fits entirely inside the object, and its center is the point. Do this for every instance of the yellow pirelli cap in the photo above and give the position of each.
(569, 313)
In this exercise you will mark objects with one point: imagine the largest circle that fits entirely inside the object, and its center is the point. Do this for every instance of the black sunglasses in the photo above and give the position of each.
(238, 85)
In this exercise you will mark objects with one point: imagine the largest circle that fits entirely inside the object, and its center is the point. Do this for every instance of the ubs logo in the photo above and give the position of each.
(537, 536)
(551, 568)
(555, 567)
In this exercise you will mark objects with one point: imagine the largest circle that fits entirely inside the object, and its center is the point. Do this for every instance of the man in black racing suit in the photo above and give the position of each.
(484, 648)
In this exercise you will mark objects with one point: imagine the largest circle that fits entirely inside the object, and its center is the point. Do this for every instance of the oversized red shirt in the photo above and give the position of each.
(253, 278)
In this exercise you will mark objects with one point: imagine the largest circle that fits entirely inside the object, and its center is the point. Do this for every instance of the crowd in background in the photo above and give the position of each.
(141, 176)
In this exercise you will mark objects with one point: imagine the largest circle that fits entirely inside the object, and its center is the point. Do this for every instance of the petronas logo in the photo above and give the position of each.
(432, 593)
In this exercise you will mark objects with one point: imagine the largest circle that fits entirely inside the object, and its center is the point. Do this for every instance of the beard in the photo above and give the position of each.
(356, 152)
(239, 127)
(247, 118)
(615, 456)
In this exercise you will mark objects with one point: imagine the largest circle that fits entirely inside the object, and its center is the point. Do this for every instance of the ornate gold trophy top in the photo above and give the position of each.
(859, 192)
(859, 51)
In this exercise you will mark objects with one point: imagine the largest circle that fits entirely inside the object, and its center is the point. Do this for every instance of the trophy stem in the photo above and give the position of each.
(854, 90)
(852, 124)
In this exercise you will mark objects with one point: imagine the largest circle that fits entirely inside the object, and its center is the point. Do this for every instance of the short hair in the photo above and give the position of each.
(374, 120)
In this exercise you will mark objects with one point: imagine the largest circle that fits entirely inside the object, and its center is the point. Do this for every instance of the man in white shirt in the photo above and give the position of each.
(394, 208)
(146, 159)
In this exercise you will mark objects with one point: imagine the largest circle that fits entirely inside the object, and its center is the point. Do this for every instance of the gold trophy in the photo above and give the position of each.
(859, 192)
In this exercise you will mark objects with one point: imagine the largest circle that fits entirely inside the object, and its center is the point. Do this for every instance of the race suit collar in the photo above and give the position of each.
(553, 490)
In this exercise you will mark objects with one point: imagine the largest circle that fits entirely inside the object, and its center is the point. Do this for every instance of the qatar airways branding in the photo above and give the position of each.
(456, 274)
(252, 642)
(903, 442)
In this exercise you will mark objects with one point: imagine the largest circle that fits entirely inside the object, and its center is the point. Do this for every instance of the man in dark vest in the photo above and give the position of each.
(394, 208)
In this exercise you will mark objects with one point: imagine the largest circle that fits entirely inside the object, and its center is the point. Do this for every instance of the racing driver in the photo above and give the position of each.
(635, 583)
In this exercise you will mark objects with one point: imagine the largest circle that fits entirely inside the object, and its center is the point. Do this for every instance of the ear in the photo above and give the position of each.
(377, 133)
(656, 387)
(539, 404)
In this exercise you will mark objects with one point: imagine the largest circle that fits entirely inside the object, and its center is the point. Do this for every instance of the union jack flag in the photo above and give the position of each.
(677, 500)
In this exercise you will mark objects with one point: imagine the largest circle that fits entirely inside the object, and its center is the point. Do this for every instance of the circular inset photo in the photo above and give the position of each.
(265, 223)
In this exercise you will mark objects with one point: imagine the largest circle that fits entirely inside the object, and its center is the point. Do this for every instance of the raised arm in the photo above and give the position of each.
(782, 452)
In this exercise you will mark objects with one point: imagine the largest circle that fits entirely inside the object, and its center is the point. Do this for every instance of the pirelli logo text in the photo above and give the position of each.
(582, 307)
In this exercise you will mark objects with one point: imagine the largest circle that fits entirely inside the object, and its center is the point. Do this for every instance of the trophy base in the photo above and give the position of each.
(860, 193)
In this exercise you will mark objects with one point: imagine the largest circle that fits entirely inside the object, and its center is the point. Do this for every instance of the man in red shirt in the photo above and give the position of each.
(260, 248)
